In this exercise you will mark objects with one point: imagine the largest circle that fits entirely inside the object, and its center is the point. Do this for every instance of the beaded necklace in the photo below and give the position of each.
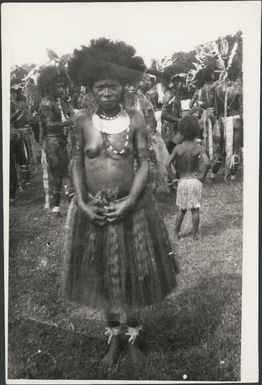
(105, 133)
(105, 117)
(124, 149)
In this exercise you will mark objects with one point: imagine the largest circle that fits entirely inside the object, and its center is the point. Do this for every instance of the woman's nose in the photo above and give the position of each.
(107, 91)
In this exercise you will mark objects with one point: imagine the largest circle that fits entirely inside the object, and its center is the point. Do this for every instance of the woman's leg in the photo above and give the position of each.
(113, 331)
(58, 165)
(195, 221)
(57, 178)
(22, 159)
(134, 327)
(179, 220)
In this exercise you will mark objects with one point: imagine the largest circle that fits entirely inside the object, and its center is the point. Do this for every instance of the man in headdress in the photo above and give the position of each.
(204, 99)
(171, 109)
(228, 110)
(54, 121)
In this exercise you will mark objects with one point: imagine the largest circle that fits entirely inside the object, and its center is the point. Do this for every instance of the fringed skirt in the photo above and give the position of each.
(189, 193)
(129, 263)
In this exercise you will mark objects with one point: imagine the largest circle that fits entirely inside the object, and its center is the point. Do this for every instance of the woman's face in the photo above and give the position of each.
(107, 93)
(148, 83)
(132, 87)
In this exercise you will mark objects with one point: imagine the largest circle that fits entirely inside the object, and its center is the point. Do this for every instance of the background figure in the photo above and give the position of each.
(138, 99)
(204, 98)
(185, 160)
(54, 123)
(225, 97)
(19, 121)
(18, 156)
(229, 133)
(171, 109)
(87, 101)
(75, 92)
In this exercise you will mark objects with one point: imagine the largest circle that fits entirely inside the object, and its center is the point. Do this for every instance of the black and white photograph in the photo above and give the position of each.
(130, 174)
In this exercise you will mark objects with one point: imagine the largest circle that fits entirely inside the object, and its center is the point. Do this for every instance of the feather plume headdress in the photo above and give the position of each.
(164, 63)
(214, 55)
(60, 63)
(224, 59)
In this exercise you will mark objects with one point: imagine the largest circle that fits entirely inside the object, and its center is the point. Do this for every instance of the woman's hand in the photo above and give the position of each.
(95, 214)
(117, 211)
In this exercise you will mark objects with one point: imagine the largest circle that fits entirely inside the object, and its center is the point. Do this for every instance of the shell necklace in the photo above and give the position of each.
(113, 126)
(105, 117)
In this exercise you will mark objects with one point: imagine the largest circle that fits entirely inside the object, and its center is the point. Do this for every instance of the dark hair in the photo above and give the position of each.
(170, 71)
(105, 59)
(48, 77)
(189, 127)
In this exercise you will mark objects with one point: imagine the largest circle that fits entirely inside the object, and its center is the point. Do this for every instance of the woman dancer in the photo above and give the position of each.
(118, 256)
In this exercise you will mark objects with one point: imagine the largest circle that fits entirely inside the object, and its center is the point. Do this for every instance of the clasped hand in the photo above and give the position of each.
(112, 213)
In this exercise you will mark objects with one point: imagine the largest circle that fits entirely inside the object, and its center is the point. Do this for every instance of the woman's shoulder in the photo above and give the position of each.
(82, 120)
(134, 113)
(137, 119)
(83, 115)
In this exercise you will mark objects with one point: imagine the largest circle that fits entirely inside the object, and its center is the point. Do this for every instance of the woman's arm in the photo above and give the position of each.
(94, 214)
(142, 156)
(117, 211)
(78, 170)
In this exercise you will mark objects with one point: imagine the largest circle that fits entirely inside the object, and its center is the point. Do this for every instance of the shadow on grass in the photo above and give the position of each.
(186, 320)
(66, 354)
(218, 225)
(176, 332)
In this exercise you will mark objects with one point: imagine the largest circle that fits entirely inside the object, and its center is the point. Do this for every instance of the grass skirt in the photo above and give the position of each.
(128, 263)
(189, 193)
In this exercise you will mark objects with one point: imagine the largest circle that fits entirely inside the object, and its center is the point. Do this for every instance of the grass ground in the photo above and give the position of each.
(194, 334)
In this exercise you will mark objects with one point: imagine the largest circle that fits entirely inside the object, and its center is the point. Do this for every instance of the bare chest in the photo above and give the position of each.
(97, 142)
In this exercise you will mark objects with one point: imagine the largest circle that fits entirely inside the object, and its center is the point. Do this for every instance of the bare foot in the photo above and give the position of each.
(196, 237)
(112, 355)
(136, 356)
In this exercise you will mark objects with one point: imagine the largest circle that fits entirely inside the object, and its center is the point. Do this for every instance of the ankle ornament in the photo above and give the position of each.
(111, 332)
(133, 333)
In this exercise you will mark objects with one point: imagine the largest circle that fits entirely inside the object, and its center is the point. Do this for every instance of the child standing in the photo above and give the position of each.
(185, 160)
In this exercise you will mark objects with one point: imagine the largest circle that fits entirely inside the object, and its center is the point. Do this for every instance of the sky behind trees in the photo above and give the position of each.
(154, 29)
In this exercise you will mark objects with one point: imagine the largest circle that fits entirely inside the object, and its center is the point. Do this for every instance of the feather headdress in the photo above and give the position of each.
(212, 55)
(164, 63)
(224, 59)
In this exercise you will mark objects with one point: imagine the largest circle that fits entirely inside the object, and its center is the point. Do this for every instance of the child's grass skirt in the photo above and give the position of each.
(189, 193)
(128, 263)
